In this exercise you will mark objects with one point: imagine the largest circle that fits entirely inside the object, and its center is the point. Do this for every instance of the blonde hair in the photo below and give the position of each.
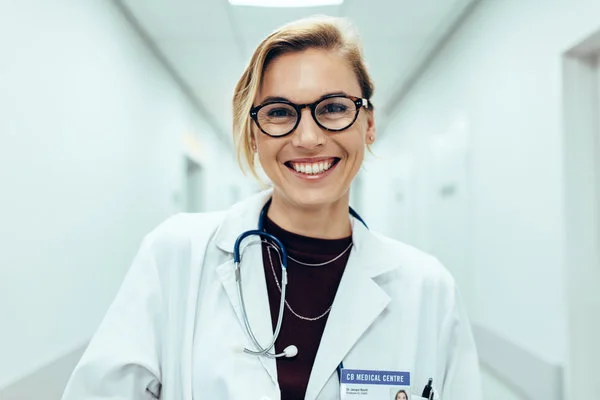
(321, 32)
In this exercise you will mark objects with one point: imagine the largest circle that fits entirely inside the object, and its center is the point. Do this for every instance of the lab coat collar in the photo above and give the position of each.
(358, 294)
(243, 216)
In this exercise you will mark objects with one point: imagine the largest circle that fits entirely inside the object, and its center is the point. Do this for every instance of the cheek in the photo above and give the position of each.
(358, 142)
(354, 147)
(362, 131)
(268, 150)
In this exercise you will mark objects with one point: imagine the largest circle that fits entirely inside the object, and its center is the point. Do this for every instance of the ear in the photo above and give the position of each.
(371, 132)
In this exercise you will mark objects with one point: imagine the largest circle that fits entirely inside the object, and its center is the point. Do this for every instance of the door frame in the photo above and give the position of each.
(581, 157)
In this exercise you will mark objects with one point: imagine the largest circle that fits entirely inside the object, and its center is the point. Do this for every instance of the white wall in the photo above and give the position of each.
(90, 160)
(486, 117)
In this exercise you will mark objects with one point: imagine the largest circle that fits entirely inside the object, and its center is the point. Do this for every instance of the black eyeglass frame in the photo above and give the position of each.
(358, 102)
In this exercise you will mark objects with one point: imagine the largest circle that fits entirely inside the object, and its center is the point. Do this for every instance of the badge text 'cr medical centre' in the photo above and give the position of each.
(354, 376)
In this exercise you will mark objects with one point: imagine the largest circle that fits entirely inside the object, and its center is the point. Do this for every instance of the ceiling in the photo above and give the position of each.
(206, 44)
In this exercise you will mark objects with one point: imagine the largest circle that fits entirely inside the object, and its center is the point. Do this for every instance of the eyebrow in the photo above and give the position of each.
(270, 99)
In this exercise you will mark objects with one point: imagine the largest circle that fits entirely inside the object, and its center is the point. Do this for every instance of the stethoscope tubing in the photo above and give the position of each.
(263, 351)
(260, 350)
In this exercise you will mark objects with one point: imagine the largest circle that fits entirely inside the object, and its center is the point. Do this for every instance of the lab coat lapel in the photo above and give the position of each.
(358, 302)
(243, 217)
(255, 298)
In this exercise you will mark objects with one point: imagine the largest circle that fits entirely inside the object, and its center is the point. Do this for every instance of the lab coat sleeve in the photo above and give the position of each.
(460, 372)
(123, 357)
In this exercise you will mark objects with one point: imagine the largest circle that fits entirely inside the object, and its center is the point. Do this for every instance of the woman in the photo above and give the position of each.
(178, 326)
(401, 395)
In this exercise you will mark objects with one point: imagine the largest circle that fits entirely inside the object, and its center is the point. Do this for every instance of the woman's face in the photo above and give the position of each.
(305, 77)
(401, 396)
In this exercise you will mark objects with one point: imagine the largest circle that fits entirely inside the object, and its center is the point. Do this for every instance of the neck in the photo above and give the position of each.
(331, 221)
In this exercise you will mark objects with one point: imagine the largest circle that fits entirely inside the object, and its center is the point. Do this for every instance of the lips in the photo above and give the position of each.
(312, 167)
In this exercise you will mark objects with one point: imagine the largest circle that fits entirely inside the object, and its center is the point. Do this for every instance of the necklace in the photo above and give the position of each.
(323, 263)
(269, 245)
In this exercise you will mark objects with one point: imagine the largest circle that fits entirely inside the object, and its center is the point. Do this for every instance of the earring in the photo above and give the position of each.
(253, 146)
(371, 138)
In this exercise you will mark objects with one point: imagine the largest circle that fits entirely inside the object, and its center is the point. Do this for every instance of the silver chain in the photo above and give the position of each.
(323, 263)
(269, 245)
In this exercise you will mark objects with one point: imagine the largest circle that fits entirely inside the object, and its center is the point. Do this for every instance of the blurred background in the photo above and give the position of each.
(116, 114)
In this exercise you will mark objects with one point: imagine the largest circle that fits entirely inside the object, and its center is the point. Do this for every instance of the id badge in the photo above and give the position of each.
(357, 384)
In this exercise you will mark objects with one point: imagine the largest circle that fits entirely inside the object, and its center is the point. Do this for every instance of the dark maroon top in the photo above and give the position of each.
(310, 292)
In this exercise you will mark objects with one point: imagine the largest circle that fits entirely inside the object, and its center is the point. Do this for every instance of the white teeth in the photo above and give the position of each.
(313, 168)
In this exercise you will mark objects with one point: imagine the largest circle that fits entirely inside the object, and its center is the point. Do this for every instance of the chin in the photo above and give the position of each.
(313, 198)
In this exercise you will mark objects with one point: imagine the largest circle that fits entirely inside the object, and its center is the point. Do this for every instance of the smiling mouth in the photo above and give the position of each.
(312, 168)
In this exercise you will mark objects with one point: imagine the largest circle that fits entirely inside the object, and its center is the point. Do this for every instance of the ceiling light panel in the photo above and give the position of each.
(286, 3)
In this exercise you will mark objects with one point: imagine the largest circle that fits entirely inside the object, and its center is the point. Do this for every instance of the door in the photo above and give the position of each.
(194, 186)
(449, 201)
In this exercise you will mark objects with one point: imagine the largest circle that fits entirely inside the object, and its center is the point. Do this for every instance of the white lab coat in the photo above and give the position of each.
(176, 320)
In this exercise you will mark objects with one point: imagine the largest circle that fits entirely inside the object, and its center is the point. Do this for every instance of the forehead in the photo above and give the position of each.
(307, 75)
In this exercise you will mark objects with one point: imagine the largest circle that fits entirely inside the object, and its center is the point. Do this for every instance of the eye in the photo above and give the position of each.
(333, 108)
(279, 113)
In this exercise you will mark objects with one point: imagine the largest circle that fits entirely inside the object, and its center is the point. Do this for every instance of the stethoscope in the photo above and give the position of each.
(291, 350)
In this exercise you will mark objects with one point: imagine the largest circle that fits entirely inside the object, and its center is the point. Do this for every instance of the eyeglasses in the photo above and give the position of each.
(333, 113)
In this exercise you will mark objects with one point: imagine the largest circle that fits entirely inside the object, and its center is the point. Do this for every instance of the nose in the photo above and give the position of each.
(308, 134)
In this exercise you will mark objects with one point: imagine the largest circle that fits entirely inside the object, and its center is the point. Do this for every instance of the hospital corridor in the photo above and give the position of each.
(473, 165)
